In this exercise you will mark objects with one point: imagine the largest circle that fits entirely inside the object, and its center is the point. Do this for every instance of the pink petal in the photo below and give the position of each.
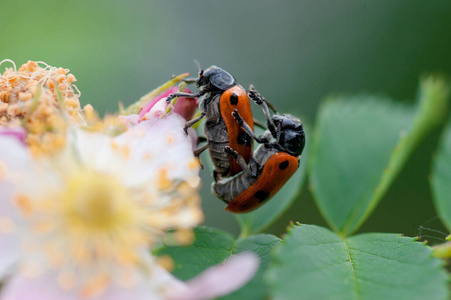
(18, 132)
(146, 108)
(183, 106)
(186, 107)
(219, 280)
(158, 109)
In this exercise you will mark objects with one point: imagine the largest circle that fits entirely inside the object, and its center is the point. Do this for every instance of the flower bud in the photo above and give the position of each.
(185, 107)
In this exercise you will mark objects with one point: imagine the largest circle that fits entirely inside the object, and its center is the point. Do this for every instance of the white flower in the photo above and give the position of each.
(80, 223)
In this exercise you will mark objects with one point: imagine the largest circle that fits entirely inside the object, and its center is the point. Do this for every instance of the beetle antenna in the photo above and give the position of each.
(199, 69)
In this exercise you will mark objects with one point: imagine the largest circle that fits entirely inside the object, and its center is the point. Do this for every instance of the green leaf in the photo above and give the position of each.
(441, 178)
(261, 245)
(213, 246)
(315, 263)
(258, 220)
(361, 145)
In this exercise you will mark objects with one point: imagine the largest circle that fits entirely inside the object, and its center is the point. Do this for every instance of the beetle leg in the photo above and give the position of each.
(260, 102)
(199, 150)
(278, 133)
(247, 128)
(192, 122)
(254, 166)
(240, 160)
(270, 105)
(186, 95)
(202, 109)
(189, 80)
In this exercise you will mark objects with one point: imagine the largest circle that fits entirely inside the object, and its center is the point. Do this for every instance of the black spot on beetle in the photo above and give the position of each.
(244, 138)
(283, 165)
(261, 195)
(234, 99)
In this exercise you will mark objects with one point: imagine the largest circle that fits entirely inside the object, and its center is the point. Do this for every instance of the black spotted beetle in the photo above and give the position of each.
(219, 95)
(271, 165)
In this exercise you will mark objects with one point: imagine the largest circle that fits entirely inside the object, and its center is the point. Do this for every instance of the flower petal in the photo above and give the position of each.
(219, 280)
(185, 107)
(45, 287)
(164, 144)
(130, 121)
(17, 132)
(14, 158)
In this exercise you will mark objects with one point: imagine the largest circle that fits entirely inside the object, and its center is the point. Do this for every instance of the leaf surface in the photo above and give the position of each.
(211, 247)
(361, 145)
(315, 263)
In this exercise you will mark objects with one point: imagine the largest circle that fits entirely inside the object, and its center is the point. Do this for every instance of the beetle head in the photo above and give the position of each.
(215, 78)
(291, 133)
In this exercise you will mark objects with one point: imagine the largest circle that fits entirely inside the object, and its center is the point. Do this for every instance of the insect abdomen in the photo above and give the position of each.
(230, 188)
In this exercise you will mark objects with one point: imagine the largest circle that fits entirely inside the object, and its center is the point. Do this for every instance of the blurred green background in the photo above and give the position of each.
(295, 53)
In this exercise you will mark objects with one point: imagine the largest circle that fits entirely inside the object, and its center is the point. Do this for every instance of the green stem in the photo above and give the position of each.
(134, 108)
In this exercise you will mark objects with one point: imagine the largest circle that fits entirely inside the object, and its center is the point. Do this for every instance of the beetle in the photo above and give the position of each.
(271, 165)
(219, 95)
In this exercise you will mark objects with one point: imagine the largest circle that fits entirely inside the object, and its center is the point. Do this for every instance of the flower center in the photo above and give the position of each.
(96, 201)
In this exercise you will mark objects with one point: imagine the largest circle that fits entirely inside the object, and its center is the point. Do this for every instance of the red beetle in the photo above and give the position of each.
(271, 165)
(219, 95)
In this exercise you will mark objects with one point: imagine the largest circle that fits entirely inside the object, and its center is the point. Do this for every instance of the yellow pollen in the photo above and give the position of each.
(166, 262)
(184, 236)
(163, 180)
(23, 202)
(96, 202)
(60, 78)
(71, 78)
(126, 151)
(194, 163)
(81, 255)
(147, 156)
(170, 139)
(194, 181)
(53, 254)
(115, 146)
(3, 170)
(3, 106)
(128, 256)
(89, 111)
(95, 287)
(122, 150)
(6, 225)
(127, 278)
(72, 102)
(25, 96)
(42, 227)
